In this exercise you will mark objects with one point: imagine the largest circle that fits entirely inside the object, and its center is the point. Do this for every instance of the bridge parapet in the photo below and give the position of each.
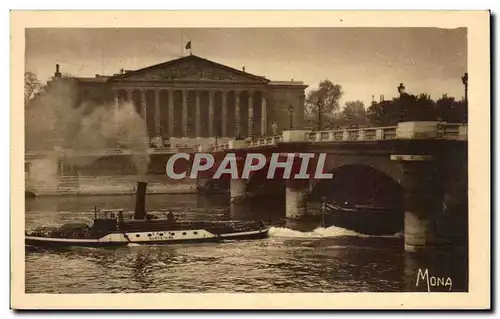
(104, 152)
(453, 131)
(249, 143)
(264, 141)
(363, 134)
(404, 130)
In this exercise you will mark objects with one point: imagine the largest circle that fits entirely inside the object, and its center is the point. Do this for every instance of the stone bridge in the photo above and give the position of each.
(421, 164)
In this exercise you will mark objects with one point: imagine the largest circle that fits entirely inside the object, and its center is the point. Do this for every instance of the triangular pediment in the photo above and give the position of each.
(189, 68)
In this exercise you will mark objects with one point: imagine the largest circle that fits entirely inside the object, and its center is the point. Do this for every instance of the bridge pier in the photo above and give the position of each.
(423, 201)
(295, 198)
(237, 188)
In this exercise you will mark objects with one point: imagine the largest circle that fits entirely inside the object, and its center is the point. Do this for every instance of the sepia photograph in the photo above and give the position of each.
(317, 159)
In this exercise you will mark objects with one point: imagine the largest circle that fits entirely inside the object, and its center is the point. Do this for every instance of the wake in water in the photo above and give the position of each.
(321, 232)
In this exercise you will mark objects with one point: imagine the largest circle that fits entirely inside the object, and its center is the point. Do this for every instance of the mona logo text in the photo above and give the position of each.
(423, 278)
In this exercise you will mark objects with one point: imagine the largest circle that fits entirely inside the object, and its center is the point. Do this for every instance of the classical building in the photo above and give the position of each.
(192, 97)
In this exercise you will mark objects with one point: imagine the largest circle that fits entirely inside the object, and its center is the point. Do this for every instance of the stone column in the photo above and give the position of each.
(129, 95)
(170, 112)
(224, 113)
(198, 114)
(237, 188)
(61, 167)
(115, 99)
(251, 119)
(295, 198)
(237, 112)
(184, 113)
(143, 104)
(157, 113)
(263, 116)
(238, 194)
(423, 200)
(211, 113)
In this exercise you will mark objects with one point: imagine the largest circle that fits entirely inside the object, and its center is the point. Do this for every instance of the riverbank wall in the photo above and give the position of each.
(107, 185)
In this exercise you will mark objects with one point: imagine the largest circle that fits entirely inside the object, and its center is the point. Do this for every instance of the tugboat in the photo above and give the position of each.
(110, 228)
(364, 219)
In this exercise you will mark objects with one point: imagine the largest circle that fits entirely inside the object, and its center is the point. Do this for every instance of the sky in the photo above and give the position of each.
(366, 62)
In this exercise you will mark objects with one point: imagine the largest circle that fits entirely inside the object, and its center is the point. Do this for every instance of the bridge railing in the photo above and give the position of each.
(454, 131)
(363, 134)
(220, 147)
(264, 141)
(249, 143)
(405, 130)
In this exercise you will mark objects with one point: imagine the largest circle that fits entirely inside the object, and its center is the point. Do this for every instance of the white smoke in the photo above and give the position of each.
(56, 118)
(108, 127)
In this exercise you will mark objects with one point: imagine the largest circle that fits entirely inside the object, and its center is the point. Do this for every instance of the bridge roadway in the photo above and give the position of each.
(427, 159)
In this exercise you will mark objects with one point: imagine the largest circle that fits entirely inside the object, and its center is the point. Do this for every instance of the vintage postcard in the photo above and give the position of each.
(250, 160)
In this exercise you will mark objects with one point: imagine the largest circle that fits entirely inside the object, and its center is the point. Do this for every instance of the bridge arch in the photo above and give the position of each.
(358, 183)
(258, 183)
(378, 162)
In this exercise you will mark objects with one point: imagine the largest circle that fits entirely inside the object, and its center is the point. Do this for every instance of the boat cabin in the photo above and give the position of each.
(109, 219)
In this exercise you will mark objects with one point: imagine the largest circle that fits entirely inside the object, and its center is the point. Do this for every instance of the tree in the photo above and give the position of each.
(328, 94)
(383, 113)
(405, 108)
(354, 113)
(449, 110)
(443, 107)
(459, 112)
(423, 109)
(31, 86)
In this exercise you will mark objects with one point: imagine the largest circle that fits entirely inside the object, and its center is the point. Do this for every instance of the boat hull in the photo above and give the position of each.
(42, 242)
(166, 237)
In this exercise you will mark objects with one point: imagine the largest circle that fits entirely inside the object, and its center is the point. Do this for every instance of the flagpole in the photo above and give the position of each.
(187, 46)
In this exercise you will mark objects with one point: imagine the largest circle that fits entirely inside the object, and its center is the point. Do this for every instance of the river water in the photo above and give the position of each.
(298, 257)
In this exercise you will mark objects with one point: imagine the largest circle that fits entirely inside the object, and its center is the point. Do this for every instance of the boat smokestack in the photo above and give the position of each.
(140, 201)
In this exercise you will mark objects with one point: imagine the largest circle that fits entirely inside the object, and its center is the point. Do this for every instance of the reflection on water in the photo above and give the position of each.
(304, 259)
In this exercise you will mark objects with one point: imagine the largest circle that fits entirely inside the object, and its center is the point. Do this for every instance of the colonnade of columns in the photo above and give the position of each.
(198, 112)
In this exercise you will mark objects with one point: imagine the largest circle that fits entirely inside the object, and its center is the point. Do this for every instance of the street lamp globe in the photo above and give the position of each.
(465, 78)
(401, 88)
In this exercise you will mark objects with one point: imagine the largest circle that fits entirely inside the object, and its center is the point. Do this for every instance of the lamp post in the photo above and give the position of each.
(465, 81)
(319, 105)
(401, 90)
(290, 112)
